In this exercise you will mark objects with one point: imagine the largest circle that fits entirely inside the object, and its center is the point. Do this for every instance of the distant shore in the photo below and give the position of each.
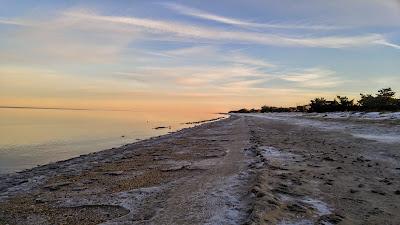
(253, 169)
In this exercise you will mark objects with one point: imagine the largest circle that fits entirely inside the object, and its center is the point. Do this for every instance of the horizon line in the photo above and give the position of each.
(61, 108)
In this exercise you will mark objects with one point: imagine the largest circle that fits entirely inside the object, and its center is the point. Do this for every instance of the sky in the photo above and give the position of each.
(203, 55)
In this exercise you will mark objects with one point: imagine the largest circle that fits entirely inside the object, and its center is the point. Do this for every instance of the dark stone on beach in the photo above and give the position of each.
(115, 173)
(159, 158)
(161, 127)
(39, 200)
(378, 192)
(21, 182)
(56, 186)
(353, 191)
(260, 194)
(328, 159)
(397, 192)
(360, 159)
(293, 207)
(78, 188)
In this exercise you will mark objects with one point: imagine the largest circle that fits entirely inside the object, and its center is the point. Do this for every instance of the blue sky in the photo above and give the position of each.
(212, 54)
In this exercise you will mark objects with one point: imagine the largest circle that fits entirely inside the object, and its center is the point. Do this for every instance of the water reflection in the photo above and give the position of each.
(29, 137)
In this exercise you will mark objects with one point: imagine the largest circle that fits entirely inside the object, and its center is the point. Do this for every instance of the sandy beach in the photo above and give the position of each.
(246, 169)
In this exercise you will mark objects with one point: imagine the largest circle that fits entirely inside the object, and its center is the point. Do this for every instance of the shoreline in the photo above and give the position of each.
(37, 179)
(75, 147)
(244, 169)
(107, 149)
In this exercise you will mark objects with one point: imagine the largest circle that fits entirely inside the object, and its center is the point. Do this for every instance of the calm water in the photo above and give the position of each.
(31, 137)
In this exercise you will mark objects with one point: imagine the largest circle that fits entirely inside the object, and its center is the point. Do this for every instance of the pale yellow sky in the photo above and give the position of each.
(197, 57)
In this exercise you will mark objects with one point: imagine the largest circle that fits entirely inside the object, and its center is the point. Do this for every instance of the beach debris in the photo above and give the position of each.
(159, 158)
(378, 192)
(57, 186)
(353, 191)
(294, 207)
(115, 173)
(162, 127)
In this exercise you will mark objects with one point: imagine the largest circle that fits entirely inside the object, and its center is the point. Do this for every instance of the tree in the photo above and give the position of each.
(345, 104)
(386, 93)
(243, 111)
(240, 111)
(265, 109)
(318, 105)
(384, 100)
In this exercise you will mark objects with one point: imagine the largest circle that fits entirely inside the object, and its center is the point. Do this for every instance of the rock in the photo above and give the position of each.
(329, 182)
(353, 191)
(260, 194)
(56, 186)
(78, 188)
(378, 192)
(294, 207)
(159, 158)
(114, 173)
(360, 159)
(40, 200)
(161, 127)
(328, 159)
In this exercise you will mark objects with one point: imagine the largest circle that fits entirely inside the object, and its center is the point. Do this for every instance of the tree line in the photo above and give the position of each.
(384, 100)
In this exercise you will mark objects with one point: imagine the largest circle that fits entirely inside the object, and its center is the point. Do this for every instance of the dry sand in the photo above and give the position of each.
(241, 170)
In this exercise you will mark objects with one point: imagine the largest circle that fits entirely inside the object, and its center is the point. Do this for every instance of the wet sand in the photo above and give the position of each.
(242, 170)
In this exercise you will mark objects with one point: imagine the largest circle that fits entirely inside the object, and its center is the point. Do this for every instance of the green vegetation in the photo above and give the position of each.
(384, 100)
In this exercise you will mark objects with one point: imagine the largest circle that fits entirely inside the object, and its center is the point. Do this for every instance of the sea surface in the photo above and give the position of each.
(31, 137)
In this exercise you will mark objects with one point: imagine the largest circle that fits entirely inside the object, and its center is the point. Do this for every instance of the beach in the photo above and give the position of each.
(245, 169)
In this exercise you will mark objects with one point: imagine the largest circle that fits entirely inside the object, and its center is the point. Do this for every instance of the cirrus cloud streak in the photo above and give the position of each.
(181, 30)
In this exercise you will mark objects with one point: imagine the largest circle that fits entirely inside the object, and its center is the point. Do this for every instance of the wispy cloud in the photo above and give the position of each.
(207, 52)
(189, 11)
(244, 59)
(203, 77)
(383, 42)
(13, 22)
(313, 78)
(181, 30)
(192, 51)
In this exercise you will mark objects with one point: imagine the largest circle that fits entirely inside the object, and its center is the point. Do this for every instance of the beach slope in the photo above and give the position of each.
(246, 169)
